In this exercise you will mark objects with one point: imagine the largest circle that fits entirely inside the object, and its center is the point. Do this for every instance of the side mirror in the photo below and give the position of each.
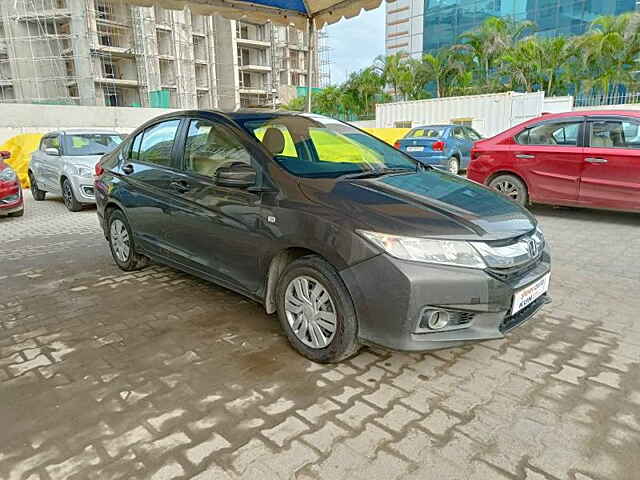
(4, 155)
(54, 152)
(237, 175)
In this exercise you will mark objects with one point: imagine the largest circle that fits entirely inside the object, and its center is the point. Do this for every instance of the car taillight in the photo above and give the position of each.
(397, 145)
(99, 170)
(438, 146)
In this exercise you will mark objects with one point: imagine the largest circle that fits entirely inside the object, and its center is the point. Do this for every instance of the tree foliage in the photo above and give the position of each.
(498, 56)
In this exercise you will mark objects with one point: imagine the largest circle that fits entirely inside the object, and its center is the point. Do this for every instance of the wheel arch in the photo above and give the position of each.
(494, 175)
(109, 207)
(277, 266)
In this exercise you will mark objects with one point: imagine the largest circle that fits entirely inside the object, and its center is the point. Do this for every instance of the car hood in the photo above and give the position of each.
(423, 204)
(84, 160)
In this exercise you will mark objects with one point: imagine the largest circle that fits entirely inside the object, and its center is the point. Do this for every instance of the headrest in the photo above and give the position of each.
(273, 140)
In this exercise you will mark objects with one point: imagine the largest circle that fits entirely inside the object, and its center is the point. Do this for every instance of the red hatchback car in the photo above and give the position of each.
(587, 159)
(11, 201)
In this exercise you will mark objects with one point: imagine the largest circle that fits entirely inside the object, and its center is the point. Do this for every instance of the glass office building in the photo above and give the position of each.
(446, 20)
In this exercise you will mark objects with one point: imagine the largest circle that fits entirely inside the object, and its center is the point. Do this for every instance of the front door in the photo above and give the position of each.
(148, 171)
(462, 144)
(49, 165)
(611, 174)
(549, 155)
(215, 229)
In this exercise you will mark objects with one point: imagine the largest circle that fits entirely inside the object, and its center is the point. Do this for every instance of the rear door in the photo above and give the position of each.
(462, 144)
(549, 156)
(611, 173)
(148, 171)
(472, 138)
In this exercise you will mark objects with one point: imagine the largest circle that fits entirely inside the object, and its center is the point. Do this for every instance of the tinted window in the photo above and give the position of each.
(615, 134)
(210, 145)
(157, 143)
(458, 133)
(91, 144)
(473, 135)
(562, 134)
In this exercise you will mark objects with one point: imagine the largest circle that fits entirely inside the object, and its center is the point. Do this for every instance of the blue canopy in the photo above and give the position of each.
(298, 12)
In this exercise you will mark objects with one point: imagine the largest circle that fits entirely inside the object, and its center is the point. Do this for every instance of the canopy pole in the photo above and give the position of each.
(310, 60)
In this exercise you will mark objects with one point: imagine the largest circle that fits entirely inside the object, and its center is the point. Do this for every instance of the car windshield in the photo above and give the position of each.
(319, 147)
(87, 144)
(427, 132)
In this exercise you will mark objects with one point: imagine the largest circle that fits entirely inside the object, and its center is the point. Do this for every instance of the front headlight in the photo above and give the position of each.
(82, 171)
(8, 175)
(442, 252)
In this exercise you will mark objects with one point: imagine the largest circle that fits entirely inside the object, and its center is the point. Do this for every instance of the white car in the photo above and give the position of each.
(64, 164)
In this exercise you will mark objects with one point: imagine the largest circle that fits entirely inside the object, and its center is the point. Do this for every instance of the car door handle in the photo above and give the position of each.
(127, 169)
(596, 160)
(180, 186)
(525, 156)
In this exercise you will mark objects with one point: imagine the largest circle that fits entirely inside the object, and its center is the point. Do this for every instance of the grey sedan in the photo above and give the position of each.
(64, 164)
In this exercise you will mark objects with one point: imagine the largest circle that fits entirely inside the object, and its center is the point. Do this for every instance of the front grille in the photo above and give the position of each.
(507, 274)
(512, 321)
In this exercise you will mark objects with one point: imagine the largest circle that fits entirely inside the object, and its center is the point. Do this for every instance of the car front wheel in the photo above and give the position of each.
(316, 311)
(511, 187)
(69, 197)
(38, 195)
(121, 243)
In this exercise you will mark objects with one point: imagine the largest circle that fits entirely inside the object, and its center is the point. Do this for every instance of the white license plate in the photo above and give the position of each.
(525, 297)
(415, 149)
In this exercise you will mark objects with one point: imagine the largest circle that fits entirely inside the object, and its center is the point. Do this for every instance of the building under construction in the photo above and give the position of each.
(104, 52)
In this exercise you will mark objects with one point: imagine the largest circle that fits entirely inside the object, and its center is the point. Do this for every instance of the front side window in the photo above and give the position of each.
(210, 145)
(156, 144)
(615, 134)
(319, 147)
(91, 144)
(458, 133)
(50, 142)
(561, 133)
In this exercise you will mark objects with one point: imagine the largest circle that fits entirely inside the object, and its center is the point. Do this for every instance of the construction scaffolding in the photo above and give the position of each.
(105, 52)
(324, 59)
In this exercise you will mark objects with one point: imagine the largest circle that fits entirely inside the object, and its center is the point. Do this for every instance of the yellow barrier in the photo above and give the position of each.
(389, 135)
(21, 147)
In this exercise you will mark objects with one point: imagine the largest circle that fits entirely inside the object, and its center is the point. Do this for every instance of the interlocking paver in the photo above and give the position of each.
(106, 375)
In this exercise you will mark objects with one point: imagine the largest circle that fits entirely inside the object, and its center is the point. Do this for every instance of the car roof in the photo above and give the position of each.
(82, 131)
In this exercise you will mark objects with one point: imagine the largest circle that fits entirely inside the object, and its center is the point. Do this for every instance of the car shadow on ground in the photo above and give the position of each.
(587, 214)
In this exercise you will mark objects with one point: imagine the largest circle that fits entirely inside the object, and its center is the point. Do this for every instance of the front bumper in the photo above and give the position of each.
(12, 203)
(83, 189)
(390, 296)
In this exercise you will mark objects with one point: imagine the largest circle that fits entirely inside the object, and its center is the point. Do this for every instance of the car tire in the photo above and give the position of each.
(322, 278)
(19, 213)
(37, 194)
(511, 187)
(453, 165)
(121, 243)
(69, 197)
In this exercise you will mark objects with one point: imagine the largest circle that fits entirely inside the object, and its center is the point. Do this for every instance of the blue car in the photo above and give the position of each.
(447, 147)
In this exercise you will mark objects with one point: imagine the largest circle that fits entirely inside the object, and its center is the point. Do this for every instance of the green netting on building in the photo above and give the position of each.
(159, 99)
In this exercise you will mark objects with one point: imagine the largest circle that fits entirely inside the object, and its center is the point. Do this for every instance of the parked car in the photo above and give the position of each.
(441, 146)
(11, 201)
(349, 240)
(64, 164)
(584, 159)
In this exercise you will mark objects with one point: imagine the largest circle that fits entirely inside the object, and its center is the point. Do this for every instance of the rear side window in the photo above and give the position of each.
(561, 134)
(211, 145)
(155, 144)
(473, 135)
(615, 134)
(458, 133)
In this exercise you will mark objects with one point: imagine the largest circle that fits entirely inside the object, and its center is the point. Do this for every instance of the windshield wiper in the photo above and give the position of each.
(374, 173)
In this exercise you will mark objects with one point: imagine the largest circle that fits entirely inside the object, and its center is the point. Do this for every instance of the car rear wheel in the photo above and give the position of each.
(37, 194)
(453, 165)
(511, 187)
(121, 243)
(316, 311)
(69, 197)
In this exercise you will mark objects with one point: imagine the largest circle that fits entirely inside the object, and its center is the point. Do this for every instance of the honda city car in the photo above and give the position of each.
(350, 241)
(64, 162)
(582, 159)
(11, 201)
(442, 146)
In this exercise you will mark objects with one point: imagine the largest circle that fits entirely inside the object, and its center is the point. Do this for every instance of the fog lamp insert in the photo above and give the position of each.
(437, 319)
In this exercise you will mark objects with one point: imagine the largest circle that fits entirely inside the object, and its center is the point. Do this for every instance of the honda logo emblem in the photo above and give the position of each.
(532, 248)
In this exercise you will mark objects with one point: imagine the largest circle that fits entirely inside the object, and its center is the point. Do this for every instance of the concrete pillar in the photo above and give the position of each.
(82, 51)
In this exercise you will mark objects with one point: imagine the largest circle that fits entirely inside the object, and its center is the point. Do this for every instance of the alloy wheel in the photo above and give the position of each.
(120, 240)
(310, 312)
(67, 194)
(507, 188)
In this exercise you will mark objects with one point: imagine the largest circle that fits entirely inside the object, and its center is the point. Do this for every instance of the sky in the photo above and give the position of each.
(355, 42)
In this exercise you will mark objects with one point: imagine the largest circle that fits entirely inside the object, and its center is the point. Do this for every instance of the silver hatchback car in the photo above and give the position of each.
(64, 164)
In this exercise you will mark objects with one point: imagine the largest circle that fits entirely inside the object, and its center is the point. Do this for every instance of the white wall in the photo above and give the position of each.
(488, 114)
(26, 118)
(629, 106)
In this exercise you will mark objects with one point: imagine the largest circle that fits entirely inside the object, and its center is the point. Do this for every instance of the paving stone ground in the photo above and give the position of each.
(158, 375)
